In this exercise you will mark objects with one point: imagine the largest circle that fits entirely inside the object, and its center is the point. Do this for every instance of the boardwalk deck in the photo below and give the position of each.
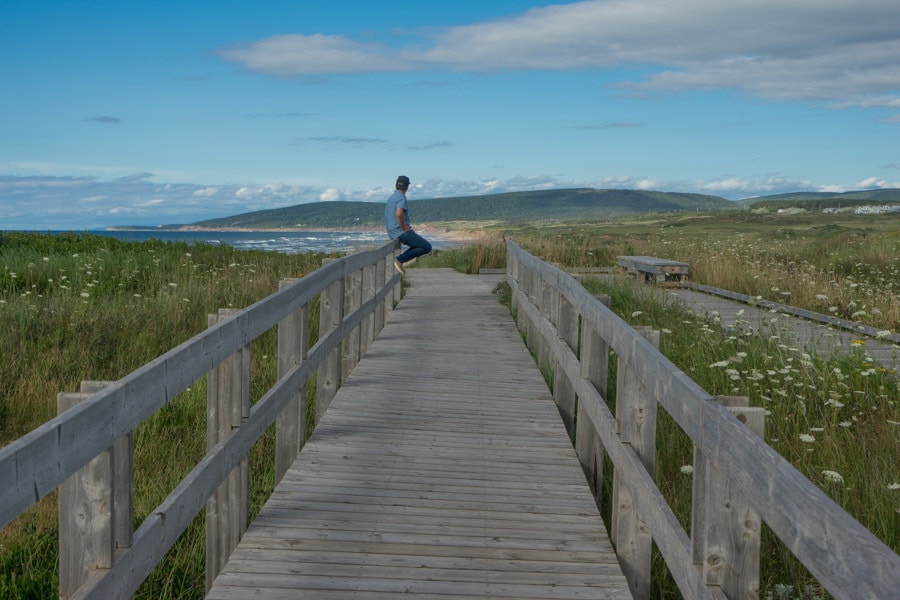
(441, 470)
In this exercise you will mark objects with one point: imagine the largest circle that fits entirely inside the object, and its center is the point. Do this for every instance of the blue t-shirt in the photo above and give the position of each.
(397, 200)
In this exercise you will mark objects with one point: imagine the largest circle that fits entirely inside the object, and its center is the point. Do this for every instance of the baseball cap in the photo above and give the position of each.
(403, 180)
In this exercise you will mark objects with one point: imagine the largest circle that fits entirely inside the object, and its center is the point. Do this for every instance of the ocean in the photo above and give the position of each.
(281, 241)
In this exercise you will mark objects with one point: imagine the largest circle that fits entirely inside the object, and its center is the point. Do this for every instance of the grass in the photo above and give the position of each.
(844, 265)
(81, 307)
(836, 420)
(74, 308)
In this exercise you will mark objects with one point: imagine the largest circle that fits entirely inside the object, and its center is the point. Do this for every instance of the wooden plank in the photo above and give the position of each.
(86, 533)
(845, 557)
(228, 404)
(731, 553)
(290, 425)
(40, 461)
(636, 420)
(441, 467)
(330, 315)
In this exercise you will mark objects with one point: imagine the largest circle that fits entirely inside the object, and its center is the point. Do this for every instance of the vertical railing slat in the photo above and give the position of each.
(290, 424)
(330, 315)
(636, 419)
(594, 358)
(228, 404)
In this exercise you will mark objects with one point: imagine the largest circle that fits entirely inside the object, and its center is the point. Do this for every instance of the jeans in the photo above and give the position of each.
(417, 246)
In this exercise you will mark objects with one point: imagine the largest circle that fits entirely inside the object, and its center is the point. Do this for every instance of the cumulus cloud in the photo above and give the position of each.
(832, 50)
(312, 55)
(41, 202)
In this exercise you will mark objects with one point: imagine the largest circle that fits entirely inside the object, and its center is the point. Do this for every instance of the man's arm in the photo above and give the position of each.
(402, 221)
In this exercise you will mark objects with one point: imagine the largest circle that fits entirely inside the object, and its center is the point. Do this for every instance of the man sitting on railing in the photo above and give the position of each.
(396, 221)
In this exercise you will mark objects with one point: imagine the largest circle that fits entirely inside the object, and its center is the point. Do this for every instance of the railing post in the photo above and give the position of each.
(96, 506)
(381, 277)
(369, 291)
(563, 390)
(547, 304)
(725, 528)
(228, 404)
(290, 424)
(330, 315)
(350, 344)
(594, 359)
(531, 337)
(389, 269)
(636, 420)
(512, 278)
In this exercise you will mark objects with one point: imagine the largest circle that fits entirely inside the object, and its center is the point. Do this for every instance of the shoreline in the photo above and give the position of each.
(461, 237)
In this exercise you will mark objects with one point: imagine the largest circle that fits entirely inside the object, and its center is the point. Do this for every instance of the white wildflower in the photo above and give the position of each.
(687, 469)
(721, 363)
(637, 313)
(833, 476)
(805, 437)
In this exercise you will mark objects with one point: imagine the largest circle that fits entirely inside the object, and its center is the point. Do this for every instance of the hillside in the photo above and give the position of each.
(550, 205)
(821, 200)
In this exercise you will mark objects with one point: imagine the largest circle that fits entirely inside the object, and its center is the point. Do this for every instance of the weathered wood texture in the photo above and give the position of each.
(42, 460)
(650, 268)
(228, 405)
(848, 560)
(441, 469)
(815, 333)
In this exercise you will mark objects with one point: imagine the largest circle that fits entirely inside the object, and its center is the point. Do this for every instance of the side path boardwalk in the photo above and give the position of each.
(441, 470)
(794, 331)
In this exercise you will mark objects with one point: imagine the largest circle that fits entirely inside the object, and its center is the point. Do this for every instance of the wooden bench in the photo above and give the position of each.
(657, 270)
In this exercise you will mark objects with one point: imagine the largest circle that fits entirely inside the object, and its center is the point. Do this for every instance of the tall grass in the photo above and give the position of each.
(487, 254)
(82, 307)
(844, 265)
(90, 307)
(835, 419)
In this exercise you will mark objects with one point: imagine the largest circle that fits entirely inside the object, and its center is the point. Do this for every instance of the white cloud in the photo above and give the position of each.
(60, 203)
(311, 54)
(206, 192)
(833, 50)
(331, 195)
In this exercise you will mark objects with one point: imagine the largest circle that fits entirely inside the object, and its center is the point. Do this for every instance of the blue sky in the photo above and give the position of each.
(146, 113)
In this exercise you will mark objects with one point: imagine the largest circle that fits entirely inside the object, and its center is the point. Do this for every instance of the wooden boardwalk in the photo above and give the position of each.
(812, 337)
(441, 470)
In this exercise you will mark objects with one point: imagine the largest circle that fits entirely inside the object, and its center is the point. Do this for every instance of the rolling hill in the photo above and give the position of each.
(550, 205)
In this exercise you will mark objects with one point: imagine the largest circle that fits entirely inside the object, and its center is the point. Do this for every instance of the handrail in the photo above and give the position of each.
(846, 558)
(43, 459)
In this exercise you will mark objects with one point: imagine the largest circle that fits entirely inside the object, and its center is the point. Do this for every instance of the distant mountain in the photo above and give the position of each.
(820, 200)
(550, 205)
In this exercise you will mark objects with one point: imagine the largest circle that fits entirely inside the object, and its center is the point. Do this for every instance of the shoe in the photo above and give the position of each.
(399, 267)
(411, 261)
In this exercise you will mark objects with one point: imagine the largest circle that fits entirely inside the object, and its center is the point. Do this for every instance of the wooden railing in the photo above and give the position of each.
(86, 450)
(739, 480)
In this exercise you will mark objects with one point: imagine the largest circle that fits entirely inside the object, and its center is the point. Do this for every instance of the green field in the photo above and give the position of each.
(78, 308)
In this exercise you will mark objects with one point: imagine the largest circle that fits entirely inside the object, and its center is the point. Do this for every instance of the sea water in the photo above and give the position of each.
(282, 241)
